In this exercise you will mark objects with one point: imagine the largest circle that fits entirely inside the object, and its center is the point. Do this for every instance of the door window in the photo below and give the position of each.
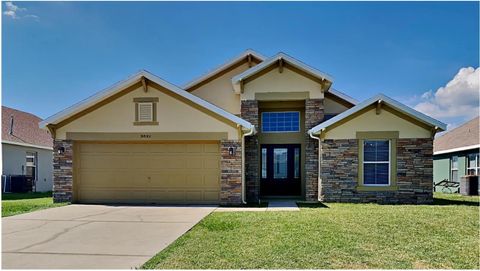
(264, 163)
(296, 163)
(280, 166)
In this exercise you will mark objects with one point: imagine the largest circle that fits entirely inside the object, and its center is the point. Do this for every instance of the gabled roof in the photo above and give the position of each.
(464, 137)
(137, 77)
(225, 66)
(388, 101)
(342, 96)
(21, 128)
(273, 61)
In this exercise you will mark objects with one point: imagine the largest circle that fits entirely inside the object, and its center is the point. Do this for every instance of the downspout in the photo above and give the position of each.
(319, 186)
(251, 132)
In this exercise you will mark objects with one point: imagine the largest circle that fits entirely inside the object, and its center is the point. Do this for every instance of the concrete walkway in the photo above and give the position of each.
(94, 236)
(273, 206)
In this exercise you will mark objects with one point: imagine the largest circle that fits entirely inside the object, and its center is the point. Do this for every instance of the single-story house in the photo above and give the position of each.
(248, 130)
(26, 149)
(456, 154)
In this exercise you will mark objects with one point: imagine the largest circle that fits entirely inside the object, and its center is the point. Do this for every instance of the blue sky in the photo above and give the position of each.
(57, 53)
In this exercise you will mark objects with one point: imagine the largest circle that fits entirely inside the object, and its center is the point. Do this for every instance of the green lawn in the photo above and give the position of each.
(442, 235)
(19, 203)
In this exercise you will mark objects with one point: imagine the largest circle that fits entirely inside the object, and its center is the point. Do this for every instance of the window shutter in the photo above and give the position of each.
(145, 111)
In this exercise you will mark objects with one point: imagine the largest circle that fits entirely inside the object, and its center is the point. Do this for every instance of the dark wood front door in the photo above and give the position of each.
(280, 170)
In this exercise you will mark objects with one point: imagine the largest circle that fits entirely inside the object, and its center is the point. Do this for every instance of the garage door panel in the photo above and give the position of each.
(167, 179)
(211, 196)
(194, 180)
(212, 180)
(148, 173)
(194, 163)
(195, 148)
(211, 162)
(211, 148)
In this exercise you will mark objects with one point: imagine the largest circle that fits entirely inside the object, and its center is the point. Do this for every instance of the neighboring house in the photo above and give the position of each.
(247, 130)
(455, 154)
(26, 149)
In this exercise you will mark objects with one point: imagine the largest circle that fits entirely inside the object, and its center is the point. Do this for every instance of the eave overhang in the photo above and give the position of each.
(381, 99)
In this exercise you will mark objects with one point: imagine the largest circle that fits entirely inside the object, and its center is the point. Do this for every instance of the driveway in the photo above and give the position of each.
(94, 236)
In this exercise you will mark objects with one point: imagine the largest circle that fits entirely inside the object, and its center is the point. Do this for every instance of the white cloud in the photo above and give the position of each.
(457, 101)
(12, 11)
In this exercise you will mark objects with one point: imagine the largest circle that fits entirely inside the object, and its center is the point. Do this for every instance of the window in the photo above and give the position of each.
(473, 167)
(274, 122)
(31, 165)
(454, 169)
(146, 111)
(280, 166)
(376, 162)
(264, 163)
(296, 162)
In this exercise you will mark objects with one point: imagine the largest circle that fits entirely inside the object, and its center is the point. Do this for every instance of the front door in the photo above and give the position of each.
(280, 170)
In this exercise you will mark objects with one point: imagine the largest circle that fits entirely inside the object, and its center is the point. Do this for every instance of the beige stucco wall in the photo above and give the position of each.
(287, 81)
(14, 161)
(370, 121)
(332, 107)
(173, 115)
(220, 91)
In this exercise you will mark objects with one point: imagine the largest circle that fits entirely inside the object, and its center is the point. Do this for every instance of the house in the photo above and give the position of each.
(455, 154)
(26, 149)
(248, 130)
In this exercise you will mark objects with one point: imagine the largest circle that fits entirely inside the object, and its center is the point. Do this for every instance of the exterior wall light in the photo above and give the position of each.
(232, 151)
(61, 150)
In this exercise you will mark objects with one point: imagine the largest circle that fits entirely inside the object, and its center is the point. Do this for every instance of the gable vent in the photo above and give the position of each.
(145, 111)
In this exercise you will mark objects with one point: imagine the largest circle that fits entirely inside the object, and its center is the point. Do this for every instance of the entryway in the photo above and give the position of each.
(280, 170)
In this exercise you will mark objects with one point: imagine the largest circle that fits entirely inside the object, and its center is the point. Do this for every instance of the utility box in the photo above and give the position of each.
(469, 185)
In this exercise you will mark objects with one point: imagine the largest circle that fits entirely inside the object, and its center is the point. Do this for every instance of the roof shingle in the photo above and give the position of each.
(25, 128)
(465, 135)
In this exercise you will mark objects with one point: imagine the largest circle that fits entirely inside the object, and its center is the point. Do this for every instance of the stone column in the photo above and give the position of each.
(313, 116)
(231, 172)
(415, 170)
(63, 171)
(249, 112)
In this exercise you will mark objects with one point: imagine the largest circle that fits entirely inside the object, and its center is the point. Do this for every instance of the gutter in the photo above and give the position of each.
(249, 133)
(319, 185)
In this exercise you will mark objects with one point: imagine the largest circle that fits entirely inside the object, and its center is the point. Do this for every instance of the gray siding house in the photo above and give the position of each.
(26, 149)
(456, 154)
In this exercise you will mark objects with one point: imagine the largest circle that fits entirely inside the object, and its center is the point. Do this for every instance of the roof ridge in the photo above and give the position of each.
(23, 112)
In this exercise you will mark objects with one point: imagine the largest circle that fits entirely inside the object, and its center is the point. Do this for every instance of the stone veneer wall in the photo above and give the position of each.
(314, 113)
(414, 173)
(63, 171)
(231, 173)
(249, 112)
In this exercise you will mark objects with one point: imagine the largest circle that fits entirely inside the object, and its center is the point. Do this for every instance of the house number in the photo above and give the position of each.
(145, 136)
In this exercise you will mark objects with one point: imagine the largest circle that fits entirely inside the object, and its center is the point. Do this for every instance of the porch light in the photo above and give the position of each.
(232, 151)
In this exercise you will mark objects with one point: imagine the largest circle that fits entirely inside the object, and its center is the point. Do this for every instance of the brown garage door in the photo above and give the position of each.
(147, 173)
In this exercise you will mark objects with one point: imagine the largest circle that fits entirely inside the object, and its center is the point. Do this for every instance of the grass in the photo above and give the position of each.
(19, 203)
(334, 235)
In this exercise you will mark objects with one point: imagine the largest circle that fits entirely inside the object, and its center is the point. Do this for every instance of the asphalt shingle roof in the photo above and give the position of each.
(465, 135)
(25, 128)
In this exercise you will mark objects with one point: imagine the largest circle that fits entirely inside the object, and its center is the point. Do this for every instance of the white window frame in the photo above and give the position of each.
(476, 168)
(34, 155)
(378, 162)
(452, 169)
(151, 111)
(273, 132)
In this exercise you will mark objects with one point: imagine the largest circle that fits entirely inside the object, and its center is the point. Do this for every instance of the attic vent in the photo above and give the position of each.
(145, 112)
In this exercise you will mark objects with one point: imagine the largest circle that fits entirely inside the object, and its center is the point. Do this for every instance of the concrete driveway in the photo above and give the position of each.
(94, 236)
